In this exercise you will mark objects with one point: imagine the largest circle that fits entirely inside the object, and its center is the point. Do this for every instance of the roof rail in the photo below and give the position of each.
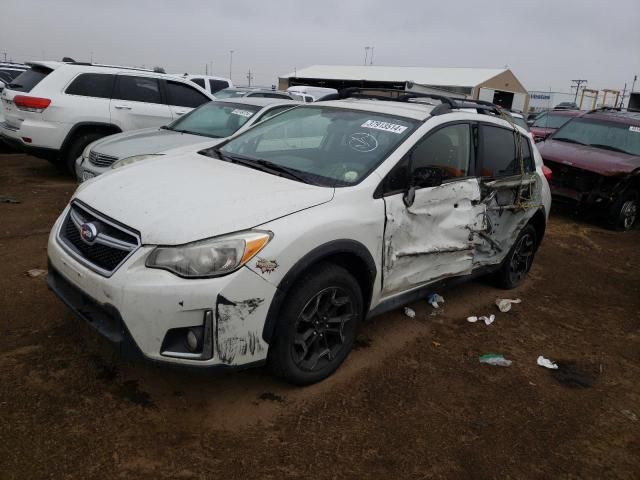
(88, 64)
(446, 103)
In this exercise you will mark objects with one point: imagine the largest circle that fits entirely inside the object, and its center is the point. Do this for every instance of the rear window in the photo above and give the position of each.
(29, 79)
(92, 85)
(270, 95)
(138, 89)
(198, 81)
(182, 95)
(9, 73)
(217, 85)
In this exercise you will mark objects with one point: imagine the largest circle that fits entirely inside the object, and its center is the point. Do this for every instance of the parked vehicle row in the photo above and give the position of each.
(274, 244)
(214, 120)
(55, 109)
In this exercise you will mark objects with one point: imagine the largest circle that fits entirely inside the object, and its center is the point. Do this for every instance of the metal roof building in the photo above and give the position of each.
(495, 85)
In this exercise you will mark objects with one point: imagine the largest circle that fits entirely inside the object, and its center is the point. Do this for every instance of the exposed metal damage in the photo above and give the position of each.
(234, 338)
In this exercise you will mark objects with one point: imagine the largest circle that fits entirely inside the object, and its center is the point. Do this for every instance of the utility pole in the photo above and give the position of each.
(230, 63)
(576, 85)
(366, 54)
(371, 59)
(249, 77)
(206, 69)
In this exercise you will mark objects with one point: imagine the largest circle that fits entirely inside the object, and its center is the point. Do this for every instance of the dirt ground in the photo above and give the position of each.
(411, 402)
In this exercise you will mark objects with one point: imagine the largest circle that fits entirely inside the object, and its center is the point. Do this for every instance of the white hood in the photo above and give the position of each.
(173, 200)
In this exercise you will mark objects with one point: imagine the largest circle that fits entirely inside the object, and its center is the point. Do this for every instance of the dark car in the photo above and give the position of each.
(566, 106)
(595, 161)
(548, 122)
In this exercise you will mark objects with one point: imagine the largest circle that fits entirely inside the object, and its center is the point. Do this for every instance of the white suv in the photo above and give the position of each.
(209, 83)
(55, 109)
(274, 245)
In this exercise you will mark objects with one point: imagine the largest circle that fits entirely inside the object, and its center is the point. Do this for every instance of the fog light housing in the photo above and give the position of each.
(193, 343)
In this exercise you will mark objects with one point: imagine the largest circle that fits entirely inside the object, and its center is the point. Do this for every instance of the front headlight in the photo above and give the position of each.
(136, 158)
(87, 149)
(212, 257)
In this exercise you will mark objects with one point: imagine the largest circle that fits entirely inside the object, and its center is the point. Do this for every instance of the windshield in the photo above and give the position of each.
(230, 93)
(551, 120)
(613, 136)
(328, 146)
(215, 119)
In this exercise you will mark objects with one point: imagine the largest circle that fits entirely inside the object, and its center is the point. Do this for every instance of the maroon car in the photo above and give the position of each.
(548, 122)
(595, 161)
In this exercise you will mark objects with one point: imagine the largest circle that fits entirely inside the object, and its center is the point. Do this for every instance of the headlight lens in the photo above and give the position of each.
(87, 149)
(212, 257)
(136, 158)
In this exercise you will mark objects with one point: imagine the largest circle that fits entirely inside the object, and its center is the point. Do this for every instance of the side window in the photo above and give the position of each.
(217, 85)
(274, 111)
(447, 149)
(92, 85)
(527, 153)
(182, 95)
(199, 81)
(138, 89)
(497, 152)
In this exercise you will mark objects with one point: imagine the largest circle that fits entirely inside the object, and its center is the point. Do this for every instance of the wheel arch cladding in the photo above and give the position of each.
(84, 128)
(350, 254)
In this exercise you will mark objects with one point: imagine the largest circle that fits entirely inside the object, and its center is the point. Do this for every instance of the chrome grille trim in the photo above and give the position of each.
(75, 216)
(101, 160)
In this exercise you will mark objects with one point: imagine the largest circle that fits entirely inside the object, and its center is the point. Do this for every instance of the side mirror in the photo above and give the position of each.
(422, 177)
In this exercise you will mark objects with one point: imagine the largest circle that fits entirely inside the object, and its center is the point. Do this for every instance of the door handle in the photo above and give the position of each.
(181, 112)
(122, 107)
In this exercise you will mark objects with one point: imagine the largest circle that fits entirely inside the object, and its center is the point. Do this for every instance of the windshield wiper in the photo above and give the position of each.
(609, 147)
(568, 140)
(263, 165)
(167, 127)
(15, 85)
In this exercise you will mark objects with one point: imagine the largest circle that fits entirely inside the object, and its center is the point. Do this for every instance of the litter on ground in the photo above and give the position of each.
(36, 272)
(8, 199)
(546, 363)
(495, 359)
(409, 312)
(504, 304)
(487, 320)
(434, 299)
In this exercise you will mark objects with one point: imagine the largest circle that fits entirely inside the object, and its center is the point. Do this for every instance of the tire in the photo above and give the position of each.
(623, 215)
(76, 148)
(517, 264)
(317, 325)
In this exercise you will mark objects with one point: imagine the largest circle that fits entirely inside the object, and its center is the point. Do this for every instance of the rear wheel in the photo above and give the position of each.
(76, 148)
(623, 215)
(519, 259)
(317, 325)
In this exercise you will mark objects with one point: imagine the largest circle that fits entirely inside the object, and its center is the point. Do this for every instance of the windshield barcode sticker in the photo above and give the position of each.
(387, 127)
(634, 129)
(242, 113)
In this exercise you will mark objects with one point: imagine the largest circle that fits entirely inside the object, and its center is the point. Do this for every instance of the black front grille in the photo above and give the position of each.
(110, 248)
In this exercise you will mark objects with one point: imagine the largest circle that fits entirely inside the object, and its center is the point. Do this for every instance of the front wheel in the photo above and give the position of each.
(317, 325)
(624, 212)
(519, 259)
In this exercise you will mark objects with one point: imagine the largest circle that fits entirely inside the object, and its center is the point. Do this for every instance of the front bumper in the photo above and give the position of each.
(85, 170)
(137, 306)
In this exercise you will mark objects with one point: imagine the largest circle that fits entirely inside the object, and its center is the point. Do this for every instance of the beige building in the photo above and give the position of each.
(499, 86)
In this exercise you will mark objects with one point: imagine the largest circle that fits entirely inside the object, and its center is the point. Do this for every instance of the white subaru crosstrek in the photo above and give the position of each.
(55, 109)
(273, 246)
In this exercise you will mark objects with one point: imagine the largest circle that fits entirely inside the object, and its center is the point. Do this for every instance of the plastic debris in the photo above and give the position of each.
(546, 363)
(630, 415)
(36, 272)
(487, 320)
(8, 199)
(409, 312)
(434, 299)
(495, 359)
(504, 304)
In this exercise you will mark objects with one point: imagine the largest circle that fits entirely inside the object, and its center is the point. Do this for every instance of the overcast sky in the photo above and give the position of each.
(546, 43)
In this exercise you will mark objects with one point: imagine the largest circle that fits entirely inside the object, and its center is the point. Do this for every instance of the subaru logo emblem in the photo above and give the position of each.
(88, 232)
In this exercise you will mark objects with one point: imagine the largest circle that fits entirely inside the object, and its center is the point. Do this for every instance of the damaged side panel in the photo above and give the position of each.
(432, 238)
